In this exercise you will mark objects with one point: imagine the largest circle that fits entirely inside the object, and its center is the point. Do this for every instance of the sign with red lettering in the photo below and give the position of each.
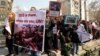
(29, 29)
(54, 9)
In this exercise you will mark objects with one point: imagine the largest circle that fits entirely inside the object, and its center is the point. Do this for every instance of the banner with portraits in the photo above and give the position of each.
(29, 29)
(54, 9)
(70, 19)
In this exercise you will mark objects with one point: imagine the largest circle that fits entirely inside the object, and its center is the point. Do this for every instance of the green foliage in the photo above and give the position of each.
(66, 49)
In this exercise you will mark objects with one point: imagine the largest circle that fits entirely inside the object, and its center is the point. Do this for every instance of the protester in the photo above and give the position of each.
(75, 40)
(56, 33)
(89, 27)
(9, 36)
(48, 36)
(84, 24)
(9, 42)
(94, 29)
(55, 36)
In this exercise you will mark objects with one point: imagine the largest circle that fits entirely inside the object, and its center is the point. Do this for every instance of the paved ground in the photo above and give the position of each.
(3, 52)
(94, 43)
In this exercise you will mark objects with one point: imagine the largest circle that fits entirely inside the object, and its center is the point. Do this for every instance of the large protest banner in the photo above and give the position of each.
(29, 29)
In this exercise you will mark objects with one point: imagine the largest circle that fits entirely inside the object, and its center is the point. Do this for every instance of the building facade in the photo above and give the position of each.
(75, 8)
(5, 7)
(83, 12)
(70, 7)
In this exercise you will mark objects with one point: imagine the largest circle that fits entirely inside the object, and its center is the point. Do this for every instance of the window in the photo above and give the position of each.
(2, 9)
(9, 8)
(3, 3)
(2, 16)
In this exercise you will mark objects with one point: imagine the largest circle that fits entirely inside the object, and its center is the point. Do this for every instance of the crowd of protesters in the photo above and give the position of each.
(57, 34)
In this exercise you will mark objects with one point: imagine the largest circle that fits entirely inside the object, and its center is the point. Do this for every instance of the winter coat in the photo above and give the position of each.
(74, 37)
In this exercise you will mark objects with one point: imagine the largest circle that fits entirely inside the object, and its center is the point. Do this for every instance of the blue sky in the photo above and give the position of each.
(27, 4)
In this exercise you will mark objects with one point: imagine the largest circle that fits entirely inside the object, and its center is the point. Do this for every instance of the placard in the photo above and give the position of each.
(54, 9)
(29, 29)
(70, 20)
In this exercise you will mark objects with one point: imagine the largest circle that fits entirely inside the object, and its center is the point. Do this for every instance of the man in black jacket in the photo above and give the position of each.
(75, 40)
(9, 37)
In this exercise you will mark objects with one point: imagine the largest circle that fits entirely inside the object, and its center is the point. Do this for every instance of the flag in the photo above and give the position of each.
(7, 26)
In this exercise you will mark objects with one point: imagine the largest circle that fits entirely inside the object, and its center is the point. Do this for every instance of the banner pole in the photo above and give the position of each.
(44, 35)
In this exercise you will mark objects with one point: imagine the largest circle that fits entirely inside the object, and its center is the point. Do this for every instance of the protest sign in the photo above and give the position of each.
(54, 9)
(29, 29)
(70, 19)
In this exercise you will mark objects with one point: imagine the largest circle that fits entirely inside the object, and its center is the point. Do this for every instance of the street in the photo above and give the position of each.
(3, 51)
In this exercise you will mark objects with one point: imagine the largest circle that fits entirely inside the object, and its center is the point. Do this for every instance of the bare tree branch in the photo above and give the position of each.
(94, 10)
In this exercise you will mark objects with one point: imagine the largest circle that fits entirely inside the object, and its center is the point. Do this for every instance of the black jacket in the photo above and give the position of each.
(74, 37)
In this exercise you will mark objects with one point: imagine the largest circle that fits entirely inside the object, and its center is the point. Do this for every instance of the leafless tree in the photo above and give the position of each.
(94, 10)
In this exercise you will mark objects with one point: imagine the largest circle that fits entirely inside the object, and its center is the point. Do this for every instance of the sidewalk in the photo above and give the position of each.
(2, 43)
(4, 51)
(93, 44)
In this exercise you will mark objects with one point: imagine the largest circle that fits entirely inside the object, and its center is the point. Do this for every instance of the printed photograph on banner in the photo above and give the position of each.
(70, 20)
(29, 30)
(54, 8)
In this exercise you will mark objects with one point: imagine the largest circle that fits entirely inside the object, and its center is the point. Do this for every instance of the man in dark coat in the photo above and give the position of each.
(75, 40)
(9, 37)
